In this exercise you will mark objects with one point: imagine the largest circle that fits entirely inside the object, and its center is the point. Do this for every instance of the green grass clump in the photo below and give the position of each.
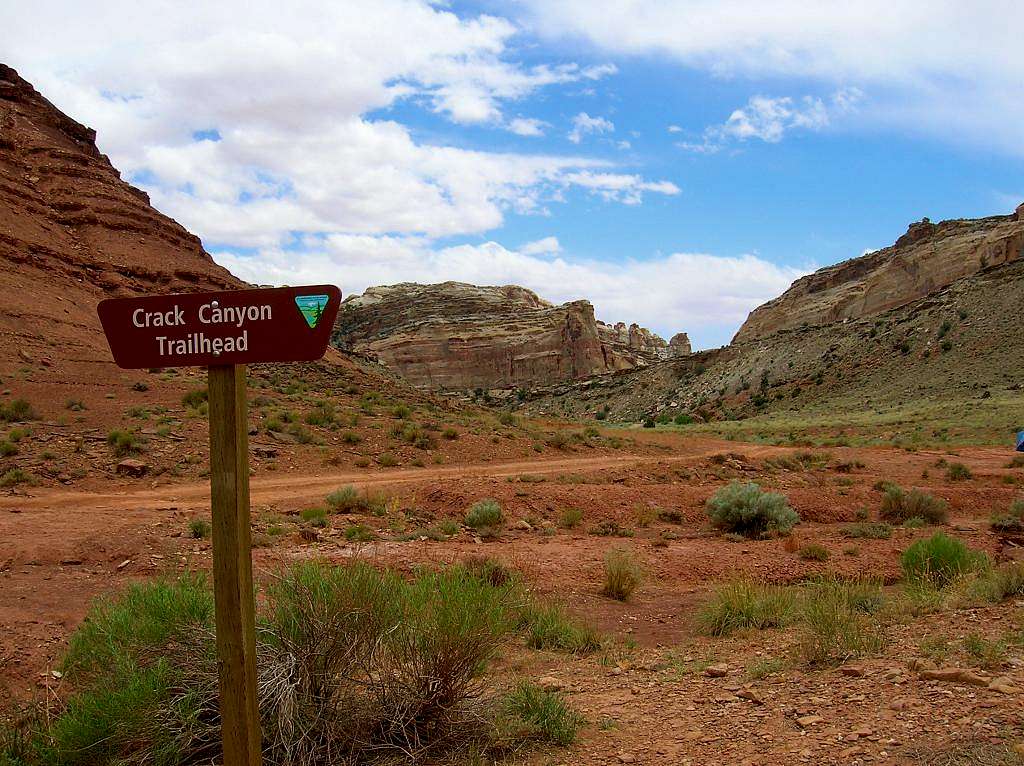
(485, 515)
(899, 506)
(870, 530)
(531, 714)
(746, 509)
(814, 552)
(199, 529)
(195, 398)
(13, 477)
(571, 518)
(743, 604)
(359, 533)
(348, 499)
(622, 574)
(124, 443)
(1012, 520)
(550, 628)
(958, 472)
(16, 411)
(7, 449)
(837, 625)
(940, 559)
(316, 516)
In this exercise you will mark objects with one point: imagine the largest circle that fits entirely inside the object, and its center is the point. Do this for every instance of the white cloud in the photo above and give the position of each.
(583, 124)
(546, 246)
(946, 68)
(674, 129)
(769, 119)
(704, 295)
(296, 99)
(527, 126)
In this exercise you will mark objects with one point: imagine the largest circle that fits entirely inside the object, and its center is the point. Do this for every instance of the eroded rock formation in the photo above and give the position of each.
(925, 259)
(460, 336)
(72, 232)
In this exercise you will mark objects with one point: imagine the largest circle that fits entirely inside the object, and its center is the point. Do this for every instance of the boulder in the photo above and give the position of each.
(132, 467)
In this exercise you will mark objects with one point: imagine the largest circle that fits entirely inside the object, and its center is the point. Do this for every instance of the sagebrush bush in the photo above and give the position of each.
(622, 574)
(746, 509)
(744, 603)
(16, 411)
(347, 500)
(123, 443)
(571, 518)
(899, 506)
(354, 665)
(485, 514)
(940, 559)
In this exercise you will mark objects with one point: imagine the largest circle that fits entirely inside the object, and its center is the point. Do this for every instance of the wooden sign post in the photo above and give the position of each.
(224, 332)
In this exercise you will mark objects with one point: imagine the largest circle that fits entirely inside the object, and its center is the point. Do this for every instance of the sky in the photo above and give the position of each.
(676, 162)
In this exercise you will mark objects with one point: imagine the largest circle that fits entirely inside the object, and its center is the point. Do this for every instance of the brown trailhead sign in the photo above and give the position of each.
(282, 324)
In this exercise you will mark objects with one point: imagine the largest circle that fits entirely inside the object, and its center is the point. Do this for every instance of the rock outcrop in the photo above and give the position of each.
(927, 258)
(454, 336)
(72, 232)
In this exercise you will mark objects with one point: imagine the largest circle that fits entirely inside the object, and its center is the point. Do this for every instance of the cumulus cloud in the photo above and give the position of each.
(527, 126)
(298, 104)
(583, 124)
(940, 67)
(769, 119)
(546, 246)
(705, 295)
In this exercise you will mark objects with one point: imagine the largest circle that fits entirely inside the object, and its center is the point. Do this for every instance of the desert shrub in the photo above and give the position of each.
(571, 518)
(1012, 520)
(355, 665)
(958, 472)
(622, 574)
(75, 405)
(123, 443)
(13, 477)
(530, 714)
(348, 499)
(610, 528)
(316, 517)
(549, 627)
(197, 396)
(746, 509)
(199, 529)
(836, 622)
(401, 412)
(16, 411)
(485, 514)
(450, 434)
(449, 527)
(814, 552)
(743, 604)
(671, 516)
(359, 533)
(387, 460)
(871, 530)
(558, 440)
(940, 559)
(351, 437)
(682, 419)
(7, 449)
(649, 422)
(899, 506)
(322, 415)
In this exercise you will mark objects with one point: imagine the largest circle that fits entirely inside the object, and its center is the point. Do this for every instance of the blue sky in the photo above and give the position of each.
(677, 163)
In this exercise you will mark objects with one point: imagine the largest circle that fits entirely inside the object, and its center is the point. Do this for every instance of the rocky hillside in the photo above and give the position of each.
(454, 336)
(72, 232)
(925, 259)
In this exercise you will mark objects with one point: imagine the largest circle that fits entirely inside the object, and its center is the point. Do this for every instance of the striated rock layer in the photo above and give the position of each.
(459, 336)
(925, 259)
(72, 232)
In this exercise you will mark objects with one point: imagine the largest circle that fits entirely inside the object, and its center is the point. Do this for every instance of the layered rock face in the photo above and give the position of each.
(459, 336)
(925, 259)
(72, 232)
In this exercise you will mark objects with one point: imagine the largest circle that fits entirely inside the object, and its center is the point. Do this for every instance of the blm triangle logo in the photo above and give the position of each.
(312, 308)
